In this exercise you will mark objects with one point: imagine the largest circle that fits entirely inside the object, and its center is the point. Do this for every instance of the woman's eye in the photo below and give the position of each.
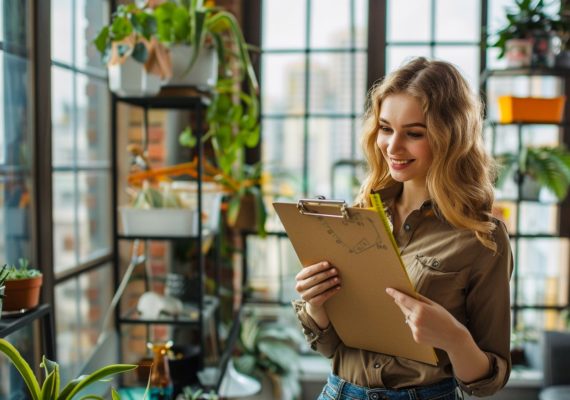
(416, 135)
(385, 129)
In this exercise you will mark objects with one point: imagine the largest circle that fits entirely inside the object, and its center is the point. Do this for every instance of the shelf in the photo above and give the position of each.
(205, 236)
(174, 97)
(520, 123)
(535, 236)
(191, 318)
(559, 72)
(42, 313)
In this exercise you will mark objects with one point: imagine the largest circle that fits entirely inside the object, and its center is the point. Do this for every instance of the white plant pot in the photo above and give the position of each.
(130, 79)
(176, 222)
(518, 52)
(204, 72)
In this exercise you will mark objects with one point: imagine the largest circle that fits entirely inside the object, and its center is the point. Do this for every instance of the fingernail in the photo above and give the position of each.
(389, 290)
(325, 264)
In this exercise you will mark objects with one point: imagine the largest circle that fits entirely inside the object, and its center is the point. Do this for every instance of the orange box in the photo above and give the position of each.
(531, 109)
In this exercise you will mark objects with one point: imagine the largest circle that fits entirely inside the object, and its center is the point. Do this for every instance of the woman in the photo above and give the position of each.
(423, 144)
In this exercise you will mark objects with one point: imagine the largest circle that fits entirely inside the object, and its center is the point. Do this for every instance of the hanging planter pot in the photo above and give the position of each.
(130, 79)
(204, 72)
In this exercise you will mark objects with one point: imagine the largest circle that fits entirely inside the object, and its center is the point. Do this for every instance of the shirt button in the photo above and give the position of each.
(374, 396)
(435, 263)
(311, 334)
(407, 227)
(376, 365)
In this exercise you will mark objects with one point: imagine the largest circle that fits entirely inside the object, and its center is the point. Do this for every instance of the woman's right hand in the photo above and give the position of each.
(316, 284)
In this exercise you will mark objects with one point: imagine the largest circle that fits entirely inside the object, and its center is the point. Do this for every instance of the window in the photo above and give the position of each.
(81, 183)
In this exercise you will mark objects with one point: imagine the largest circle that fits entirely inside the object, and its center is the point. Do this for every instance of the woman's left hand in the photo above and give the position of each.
(431, 324)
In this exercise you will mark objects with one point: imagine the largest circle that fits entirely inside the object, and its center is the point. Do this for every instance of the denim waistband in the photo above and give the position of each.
(338, 388)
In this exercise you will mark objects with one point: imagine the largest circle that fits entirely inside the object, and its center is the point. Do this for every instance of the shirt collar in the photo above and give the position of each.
(389, 194)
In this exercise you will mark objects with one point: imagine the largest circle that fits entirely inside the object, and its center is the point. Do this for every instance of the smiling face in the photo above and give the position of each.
(402, 138)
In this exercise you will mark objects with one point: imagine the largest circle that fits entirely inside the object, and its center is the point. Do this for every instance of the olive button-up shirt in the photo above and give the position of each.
(451, 267)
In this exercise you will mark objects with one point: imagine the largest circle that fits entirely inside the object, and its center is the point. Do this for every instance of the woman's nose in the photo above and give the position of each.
(395, 142)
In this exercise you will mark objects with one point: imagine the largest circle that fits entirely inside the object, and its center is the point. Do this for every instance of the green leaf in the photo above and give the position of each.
(245, 364)
(121, 27)
(252, 138)
(140, 53)
(280, 354)
(101, 40)
(82, 382)
(233, 210)
(50, 387)
(22, 366)
(115, 395)
(50, 367)
(187, 138)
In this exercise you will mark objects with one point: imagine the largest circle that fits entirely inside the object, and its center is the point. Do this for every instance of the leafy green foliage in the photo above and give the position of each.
(50, 390)
(126, 20)
(549, 166)
(21, 271)
(527, 17)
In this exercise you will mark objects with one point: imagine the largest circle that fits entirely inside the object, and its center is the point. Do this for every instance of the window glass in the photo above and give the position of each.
(330, 83)
(93, 219)
(61, 31)
(330, 24)
(457, 21)
(81, 305)
(329, 141)
(64, 218)
(465, 58)
(90, 17)
(408, 20)
(92, 131)
(283, 81)
(63, 117)
(361, 23)
(284, 24)
(397, 55)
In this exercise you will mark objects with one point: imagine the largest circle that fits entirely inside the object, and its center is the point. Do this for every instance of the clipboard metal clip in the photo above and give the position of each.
(343, 208)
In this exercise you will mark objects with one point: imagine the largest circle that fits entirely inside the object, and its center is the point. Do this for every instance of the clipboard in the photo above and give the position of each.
(359, 243)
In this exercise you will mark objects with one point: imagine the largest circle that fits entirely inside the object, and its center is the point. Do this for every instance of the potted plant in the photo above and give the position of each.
(23, 286)
(136, 60)
(536, 167)
(526, 38)
(50, 389)
(3, 276)
(268, 348)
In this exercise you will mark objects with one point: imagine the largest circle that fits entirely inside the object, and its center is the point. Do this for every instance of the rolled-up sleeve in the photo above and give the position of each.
(489, 313)
(324, 341)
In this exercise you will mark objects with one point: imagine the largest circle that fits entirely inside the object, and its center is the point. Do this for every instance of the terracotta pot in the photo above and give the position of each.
(22, 293)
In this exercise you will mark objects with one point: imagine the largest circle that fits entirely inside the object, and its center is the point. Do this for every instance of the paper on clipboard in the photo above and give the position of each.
(359, 244)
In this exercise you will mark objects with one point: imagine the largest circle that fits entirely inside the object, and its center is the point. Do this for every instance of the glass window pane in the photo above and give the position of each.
(360, 83)
(408, 20)
(457, 21)
(1, 25)
(62, 117)
(282, 156)
(329, 140)
(14, 217)
(92, 130)
(61, 31)
(90, 17)
(283, 80)
(272, 266)
(64, 217)
(361, 22)
(94, 215)
(543, 271)
(284, 24)
(330, 23)
(331, 83)
(466, 58)
(80, 305)
(397, 55)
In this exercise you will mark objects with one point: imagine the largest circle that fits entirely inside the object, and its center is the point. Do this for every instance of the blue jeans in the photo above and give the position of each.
(339, 389)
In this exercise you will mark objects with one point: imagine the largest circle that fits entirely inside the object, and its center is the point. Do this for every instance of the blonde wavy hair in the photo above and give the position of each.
(460, 179)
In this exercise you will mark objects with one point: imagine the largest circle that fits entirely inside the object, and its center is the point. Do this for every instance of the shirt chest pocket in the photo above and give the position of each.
(432, 277)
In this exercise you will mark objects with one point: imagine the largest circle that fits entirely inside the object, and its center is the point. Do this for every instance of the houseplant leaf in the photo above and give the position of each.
(82, 382)
(22, 366)
(49, 367)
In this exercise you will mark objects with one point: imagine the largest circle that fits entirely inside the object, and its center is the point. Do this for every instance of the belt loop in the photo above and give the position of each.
(413, 395)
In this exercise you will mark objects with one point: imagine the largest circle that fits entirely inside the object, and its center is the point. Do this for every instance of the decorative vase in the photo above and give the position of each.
(204, 72)
(161, 387)
(22, 294)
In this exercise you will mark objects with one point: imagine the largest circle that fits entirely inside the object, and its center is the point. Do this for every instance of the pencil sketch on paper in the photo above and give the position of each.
(366, 238)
